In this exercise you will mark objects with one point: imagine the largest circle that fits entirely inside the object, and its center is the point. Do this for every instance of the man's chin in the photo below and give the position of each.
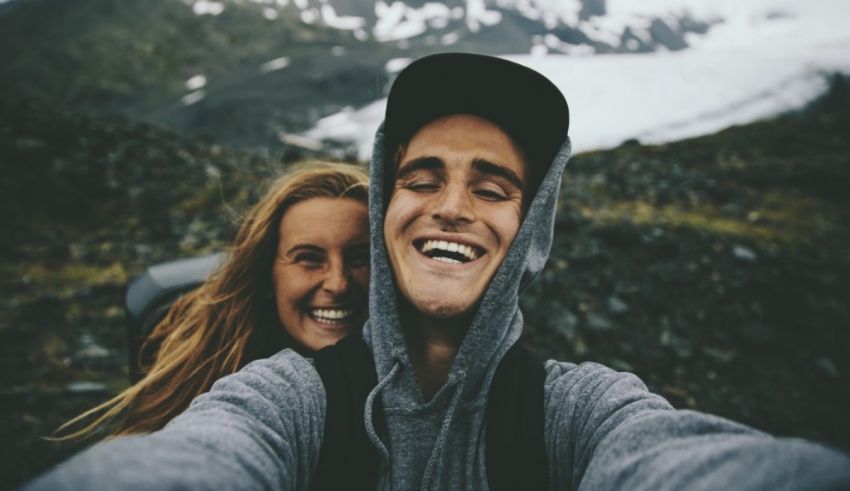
(440, 308)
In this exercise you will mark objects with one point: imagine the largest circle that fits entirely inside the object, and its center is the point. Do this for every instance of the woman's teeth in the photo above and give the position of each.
(332, 316)
(449, 252)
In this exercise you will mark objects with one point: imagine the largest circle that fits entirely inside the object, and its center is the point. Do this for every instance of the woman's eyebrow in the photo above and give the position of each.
(304, 247)
(358, 247)
(487, 167)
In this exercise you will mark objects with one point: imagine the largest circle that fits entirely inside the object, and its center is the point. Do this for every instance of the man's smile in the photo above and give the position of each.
(448, 251)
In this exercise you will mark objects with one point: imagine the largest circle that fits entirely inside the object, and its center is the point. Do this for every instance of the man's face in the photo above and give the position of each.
(455, 208)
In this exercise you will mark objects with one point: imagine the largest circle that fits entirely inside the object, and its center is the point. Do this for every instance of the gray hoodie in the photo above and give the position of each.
(261, 428)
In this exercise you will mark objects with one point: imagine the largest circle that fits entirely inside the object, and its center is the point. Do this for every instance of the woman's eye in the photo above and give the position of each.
(359, 260)
(310, 259)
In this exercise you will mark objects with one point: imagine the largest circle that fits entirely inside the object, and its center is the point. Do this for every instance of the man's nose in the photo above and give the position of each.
(336, 278)
(453, 204)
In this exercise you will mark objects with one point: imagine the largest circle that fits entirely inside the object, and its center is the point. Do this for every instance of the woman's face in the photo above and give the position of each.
(321, 270)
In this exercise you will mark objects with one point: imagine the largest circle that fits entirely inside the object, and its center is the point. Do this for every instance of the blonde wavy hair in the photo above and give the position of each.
(230, 320)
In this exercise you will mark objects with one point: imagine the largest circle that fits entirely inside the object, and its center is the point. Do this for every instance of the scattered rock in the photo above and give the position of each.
(86, 388)
(756, 334)
(621, 365)
(90, 350)
(617, 306)
(719, 355)
(564, 321)
(579, 345)
(744, 253)
(827, 366)
(598, 322)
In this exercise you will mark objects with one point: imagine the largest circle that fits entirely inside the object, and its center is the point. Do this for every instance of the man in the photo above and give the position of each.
(465, 175)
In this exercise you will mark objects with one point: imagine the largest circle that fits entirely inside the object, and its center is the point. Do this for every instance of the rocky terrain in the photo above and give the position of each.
(717, 268)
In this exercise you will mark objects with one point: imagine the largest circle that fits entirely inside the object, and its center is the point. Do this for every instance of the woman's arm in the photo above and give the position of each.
(605, 430)
(260, 428)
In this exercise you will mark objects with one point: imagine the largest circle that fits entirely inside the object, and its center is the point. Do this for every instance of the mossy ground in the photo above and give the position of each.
(717, 269)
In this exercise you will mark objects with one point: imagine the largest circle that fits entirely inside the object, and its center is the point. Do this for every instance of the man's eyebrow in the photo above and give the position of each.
(421, 163)
(487, 167)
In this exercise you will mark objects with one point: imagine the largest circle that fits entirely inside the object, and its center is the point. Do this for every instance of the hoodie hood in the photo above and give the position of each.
(440, 443)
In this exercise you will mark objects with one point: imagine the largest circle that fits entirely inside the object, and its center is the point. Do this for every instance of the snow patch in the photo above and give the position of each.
(193, 97)
(449, 38)
(196, 82)
(754, 65)
(351, 125)
(275, 64)
(396, 22)
(204, 7)
(309, 16)
(478, 15)
(347, 23)
(396, 65)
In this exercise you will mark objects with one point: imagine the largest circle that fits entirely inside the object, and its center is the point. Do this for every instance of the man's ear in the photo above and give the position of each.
(389, 177)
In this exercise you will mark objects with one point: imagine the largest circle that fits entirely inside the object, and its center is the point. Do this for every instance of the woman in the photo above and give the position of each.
(296, 276)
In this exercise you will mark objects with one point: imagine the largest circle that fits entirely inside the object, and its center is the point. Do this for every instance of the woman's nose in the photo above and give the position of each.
(336, 279)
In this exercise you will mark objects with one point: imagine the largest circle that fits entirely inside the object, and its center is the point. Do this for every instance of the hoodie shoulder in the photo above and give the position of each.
(259, 428)
(583, 404)
(605, 430)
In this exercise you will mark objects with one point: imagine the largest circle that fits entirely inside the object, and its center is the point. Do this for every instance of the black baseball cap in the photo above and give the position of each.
(524, 103)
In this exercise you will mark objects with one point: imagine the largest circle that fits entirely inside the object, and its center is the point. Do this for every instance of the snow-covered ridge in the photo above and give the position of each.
(755, 65)
(565, 26)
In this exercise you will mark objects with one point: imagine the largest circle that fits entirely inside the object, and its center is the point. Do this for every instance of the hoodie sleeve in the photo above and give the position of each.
(259, 428)
(605, 430)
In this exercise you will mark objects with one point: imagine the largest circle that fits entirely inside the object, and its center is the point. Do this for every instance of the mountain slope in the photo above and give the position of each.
(242, 72)
(715, 268)
(98, 57)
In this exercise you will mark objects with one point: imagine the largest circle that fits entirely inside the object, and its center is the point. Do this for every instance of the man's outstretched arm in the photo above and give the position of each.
(605, 430)
(257, 429)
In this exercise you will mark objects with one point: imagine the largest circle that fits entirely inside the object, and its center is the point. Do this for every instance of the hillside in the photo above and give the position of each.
(257, 68)
(716, 268)
(134, 60)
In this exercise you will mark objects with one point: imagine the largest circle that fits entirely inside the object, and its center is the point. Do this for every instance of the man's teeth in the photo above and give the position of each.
(332, 315)
(466, 251)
